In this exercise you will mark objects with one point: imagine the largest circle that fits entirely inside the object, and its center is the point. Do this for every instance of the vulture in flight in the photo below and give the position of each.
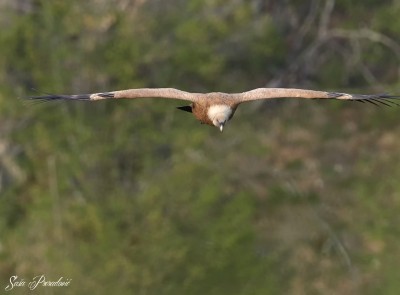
(217, 108)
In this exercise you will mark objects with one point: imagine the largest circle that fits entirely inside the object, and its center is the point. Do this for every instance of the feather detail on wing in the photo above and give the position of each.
(236, 98)
(169, 93)
(376, 99)
(51, 97)
(269, 93)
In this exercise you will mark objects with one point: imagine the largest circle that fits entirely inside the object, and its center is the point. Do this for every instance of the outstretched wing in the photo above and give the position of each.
(256, 94)
(169, 93)
(267, 93)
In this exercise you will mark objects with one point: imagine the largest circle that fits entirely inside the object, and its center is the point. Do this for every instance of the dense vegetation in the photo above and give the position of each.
(295, 197)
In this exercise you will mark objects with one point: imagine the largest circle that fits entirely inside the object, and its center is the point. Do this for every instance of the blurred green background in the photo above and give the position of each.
(123, 197)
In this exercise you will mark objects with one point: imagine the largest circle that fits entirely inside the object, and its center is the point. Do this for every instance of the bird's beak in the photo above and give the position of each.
(221, 127)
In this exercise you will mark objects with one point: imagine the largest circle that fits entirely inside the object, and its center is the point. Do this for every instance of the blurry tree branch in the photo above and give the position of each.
(8, 164)
(356, 36)
(308, 59)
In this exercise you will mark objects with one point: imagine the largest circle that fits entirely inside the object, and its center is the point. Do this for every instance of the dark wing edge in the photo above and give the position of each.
(383, 99)
(83, 97)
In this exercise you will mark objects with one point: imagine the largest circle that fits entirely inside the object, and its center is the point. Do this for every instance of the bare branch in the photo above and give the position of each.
(371, 35)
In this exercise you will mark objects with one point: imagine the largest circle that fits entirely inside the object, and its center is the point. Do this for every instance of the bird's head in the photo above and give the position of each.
(214, 115)
(219, 115)
(219, 123)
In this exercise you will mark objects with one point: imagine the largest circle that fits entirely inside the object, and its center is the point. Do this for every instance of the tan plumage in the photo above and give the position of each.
(216, 108)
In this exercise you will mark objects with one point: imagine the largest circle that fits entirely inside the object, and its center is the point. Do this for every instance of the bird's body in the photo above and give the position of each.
(217, 108)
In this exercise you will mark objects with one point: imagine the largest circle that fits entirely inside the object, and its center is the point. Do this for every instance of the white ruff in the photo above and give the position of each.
(219, 112)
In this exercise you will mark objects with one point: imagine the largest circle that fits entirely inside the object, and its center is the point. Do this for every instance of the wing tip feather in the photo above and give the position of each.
(82, 97)
(363, 97)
